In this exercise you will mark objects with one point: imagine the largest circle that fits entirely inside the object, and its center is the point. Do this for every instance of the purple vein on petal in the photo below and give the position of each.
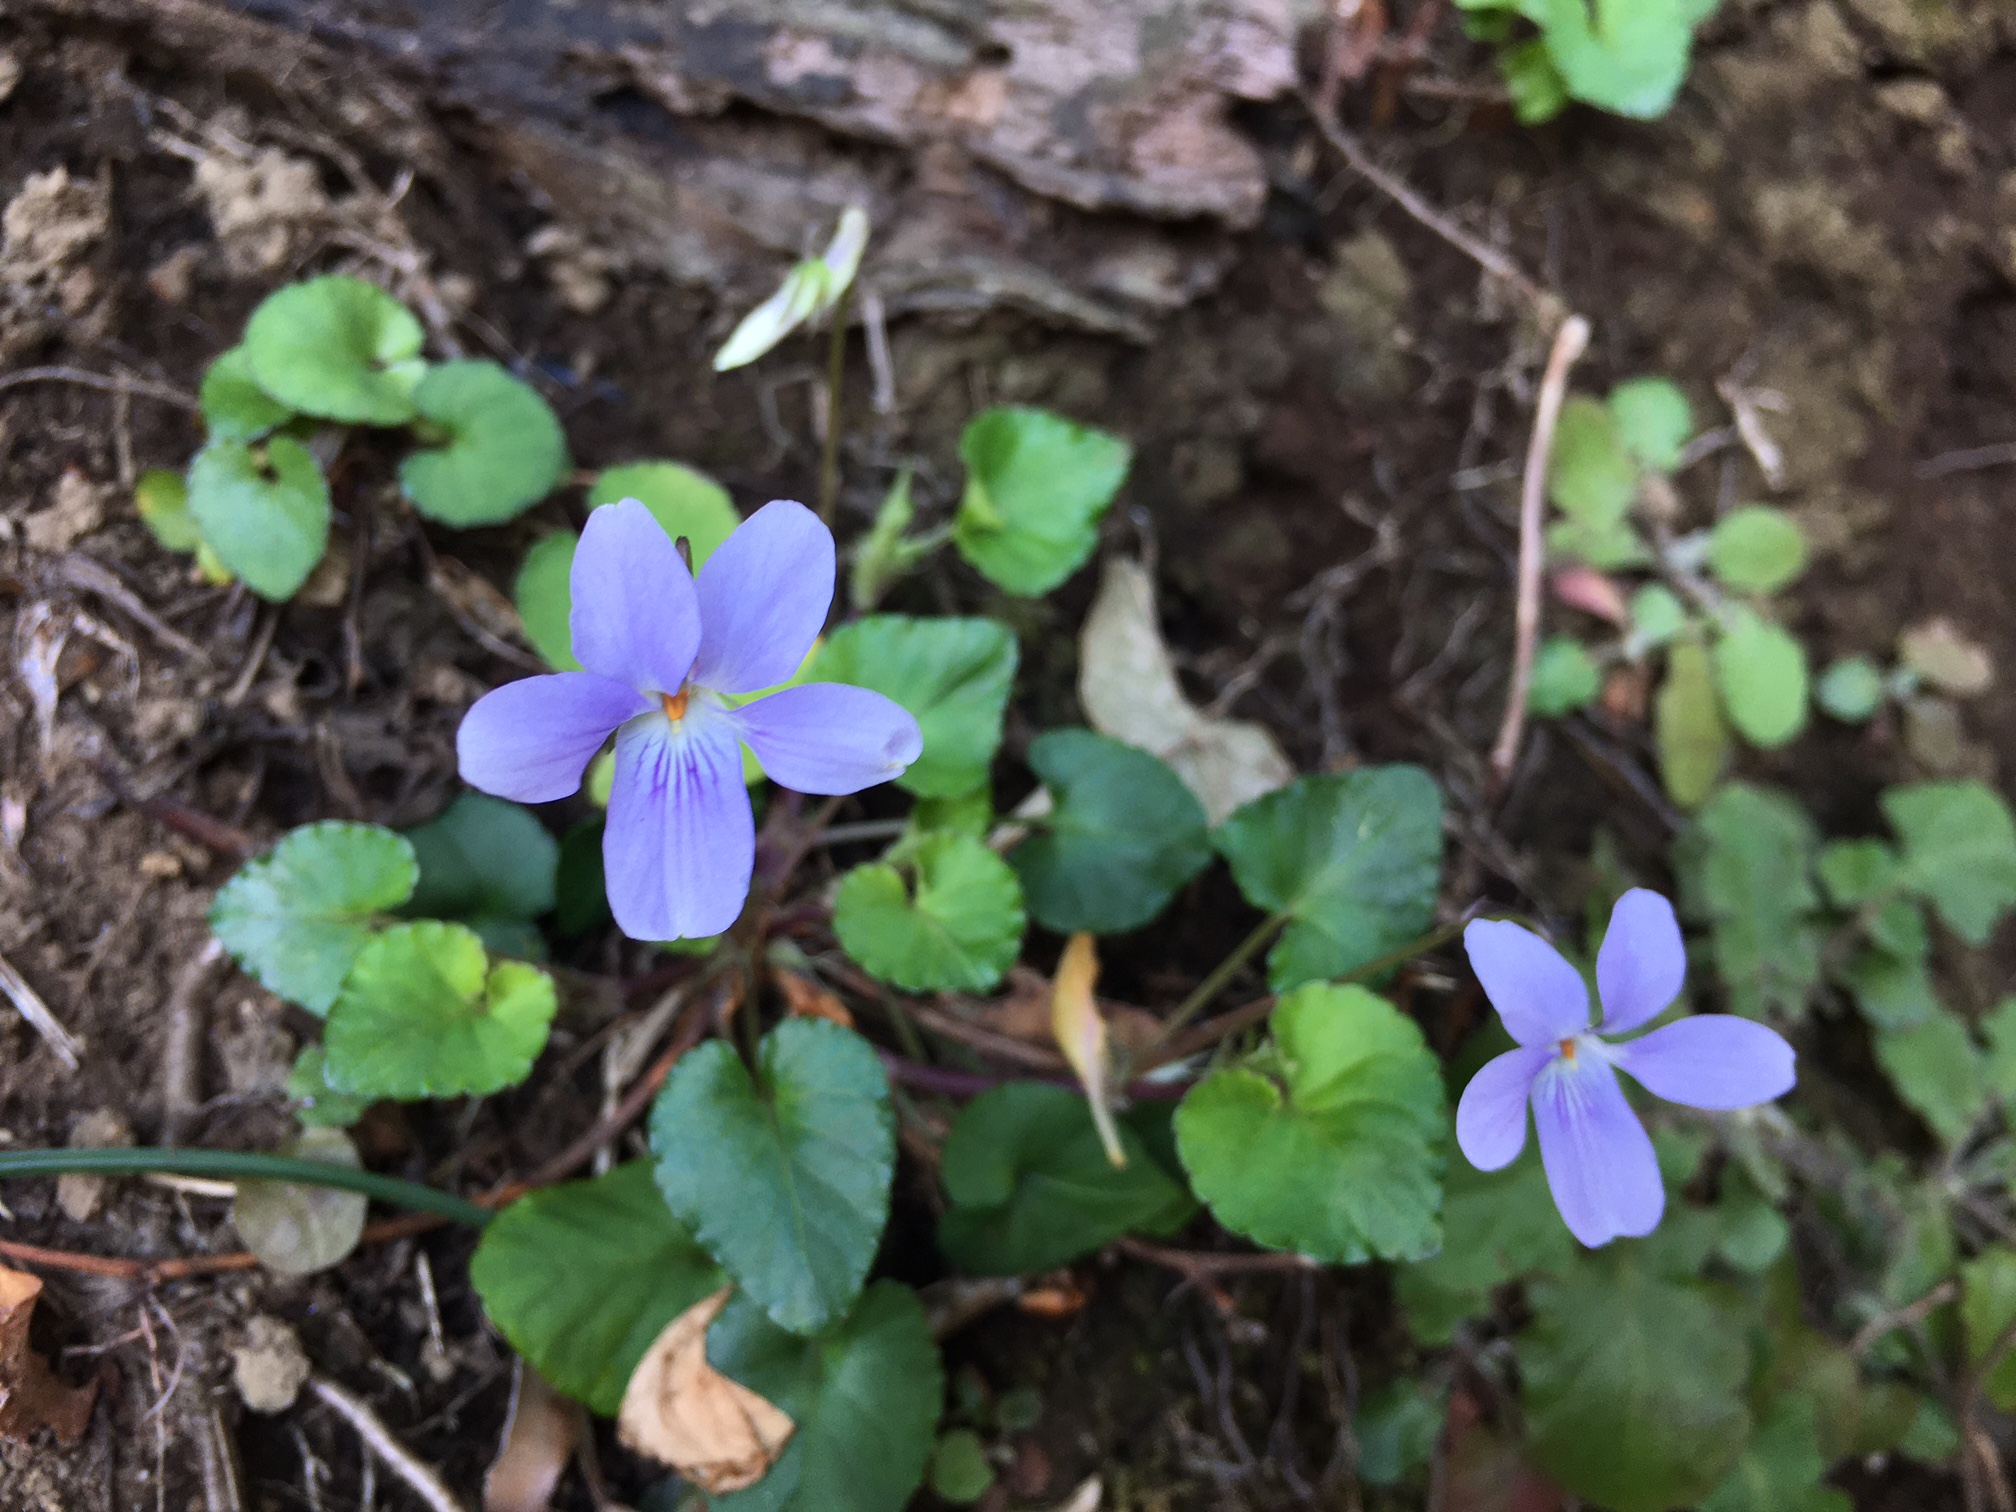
(681, 841)
(1598, 1157)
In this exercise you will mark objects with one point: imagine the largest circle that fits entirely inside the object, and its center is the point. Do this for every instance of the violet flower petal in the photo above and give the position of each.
(1642, 963)
(1538, 994)
(529, 741)
(1714, 1060)
(635, 617)
(1598, 1157)
(680, 841)
(830, 737)
(764, 594)
(1491, 1117)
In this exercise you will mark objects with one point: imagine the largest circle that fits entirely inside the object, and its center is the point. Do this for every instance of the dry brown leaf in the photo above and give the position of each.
(683, 1412)
(807, 999)
(1947, 659)
(1024, 1014)
(30, 1396)
(538, 1442)
(1127, 685)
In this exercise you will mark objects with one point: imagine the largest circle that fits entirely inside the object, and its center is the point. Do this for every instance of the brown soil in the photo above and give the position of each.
(1830, 214)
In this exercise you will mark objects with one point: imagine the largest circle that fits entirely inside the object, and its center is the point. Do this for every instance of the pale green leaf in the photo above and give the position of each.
(1939, 1073)
(1590, 476)
(954, 922)
(1687, 726)
(1851, 690)
(1760, 671)
(298, 1229)
(1751, 877)
(1036, 487)
(1654, 421)
(263, 511)
(503, 449)
(1565, 677)
(1756, 549)
(545, 599)
(339, 348)
(234, 407)
(162, 501)
(682, 499)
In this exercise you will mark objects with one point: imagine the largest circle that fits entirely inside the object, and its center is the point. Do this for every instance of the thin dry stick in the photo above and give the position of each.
(417, 1474)
(1395, 188)
(117, 383)
(1903, 1317)
(1569, 343)
(31, 1007)
(182, 1050)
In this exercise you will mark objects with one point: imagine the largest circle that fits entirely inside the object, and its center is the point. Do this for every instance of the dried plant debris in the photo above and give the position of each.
(680, 1410)
(31, 1397)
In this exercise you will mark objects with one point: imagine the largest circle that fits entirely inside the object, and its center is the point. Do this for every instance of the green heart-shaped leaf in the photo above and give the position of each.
(1756, 549)
(1760, 671)
(504, 449)
(1959, 851)
(1124, 835)
(682, 499)
(1633, 1384)
(784, 1178)
(264, 511)
(339, 348)
(1332, 1146)
(424, 1014)
(1748, 869)
(1653, 420)
(581, 1278)
(1353, 860)
(1590, 476)
(234, 407)
(952, 674)
(297, 917)
(1031, 1187)
(956, 926)
(545, 598)
(488, 864)
(1036, 487)
(865, 1395)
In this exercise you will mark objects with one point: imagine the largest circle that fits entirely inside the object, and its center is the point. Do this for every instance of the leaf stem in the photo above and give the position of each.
(1220, 977)
(240, 1165)
(836, 371)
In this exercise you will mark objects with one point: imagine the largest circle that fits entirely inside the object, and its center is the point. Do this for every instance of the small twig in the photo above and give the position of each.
(182, 1047)
(1971, 460)
(875, 326)
(262, 643)
(29, 1004)
(1197, 1266)
(1486, 256)
(1569, 343)
(116, 383)
(418, 1475)
(93, 576)
(999, 1046)
(1902, 1317)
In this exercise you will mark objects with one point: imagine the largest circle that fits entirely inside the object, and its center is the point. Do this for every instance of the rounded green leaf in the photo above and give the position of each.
(1959, 851)
(1687, 726)
(1851, 690)
(424, 1014)
(1939, 1072)
(317, 1105)
(234, 407)
(1353, 859)
(1036, 487)
(1334, 1149)
(545, 598)
(296, 1229)
(955, 925)
(1590, 476)
(297, 917)
(1634, 1385)
(959, 1469)
(1124, 835)
(264, 511)
(952, 674)
(1565, 678)
(1751, 873)
(504, 450)
(1657, 615)
(1756, 549)
(485, 863)
(162, 500)
(784, 1178)
(682, 499)
(339, 348)
(1654, 421)
(582, 1277)
(1629, 57)
(1031, 1187)
(865, 1395)
(1760, 671)
(1531, 79)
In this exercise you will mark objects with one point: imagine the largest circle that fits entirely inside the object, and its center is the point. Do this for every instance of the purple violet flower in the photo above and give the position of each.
(1598, 1157)
(661, 649)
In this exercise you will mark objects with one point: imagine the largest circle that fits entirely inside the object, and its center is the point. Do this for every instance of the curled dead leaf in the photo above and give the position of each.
(538, 1442)
(31, 1396)
(805, 998)
(1057, 1295)
(1127, 684)
(683, 1412)
(1081, 1034)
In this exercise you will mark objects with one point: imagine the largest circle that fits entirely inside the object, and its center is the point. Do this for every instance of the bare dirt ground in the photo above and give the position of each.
(1328, 407)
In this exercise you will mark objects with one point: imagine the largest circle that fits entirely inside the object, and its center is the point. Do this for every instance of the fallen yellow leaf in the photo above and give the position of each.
(683, 1412)
(1081, 1034)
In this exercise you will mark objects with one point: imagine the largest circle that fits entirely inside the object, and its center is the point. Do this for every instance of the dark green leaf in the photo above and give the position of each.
(582, 891)
(504, 449)
(1987, 1308)
(956, 924)
(952, 674)
(1781, 1468)
(297, 917)
(959, 1469)
(582, 1277)
(1333, 1146)
(865, 1396)
(1031, 1187)
(1752, 879)
(1537, 89)
(424, 1014)
(1939, 1073)
(1036, 486)
(784, 1178)
(1354, 860)
(1497, 1226)
(488, 864)
(1124, 836)
(1959, 851)
(339, 348)
(264, 511)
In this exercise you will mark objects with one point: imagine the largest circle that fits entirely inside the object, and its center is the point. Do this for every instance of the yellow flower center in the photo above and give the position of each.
(675, 705)
(1568, 1049)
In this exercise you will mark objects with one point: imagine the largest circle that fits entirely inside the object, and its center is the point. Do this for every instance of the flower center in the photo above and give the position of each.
(1568, 1049)
(675, 704)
